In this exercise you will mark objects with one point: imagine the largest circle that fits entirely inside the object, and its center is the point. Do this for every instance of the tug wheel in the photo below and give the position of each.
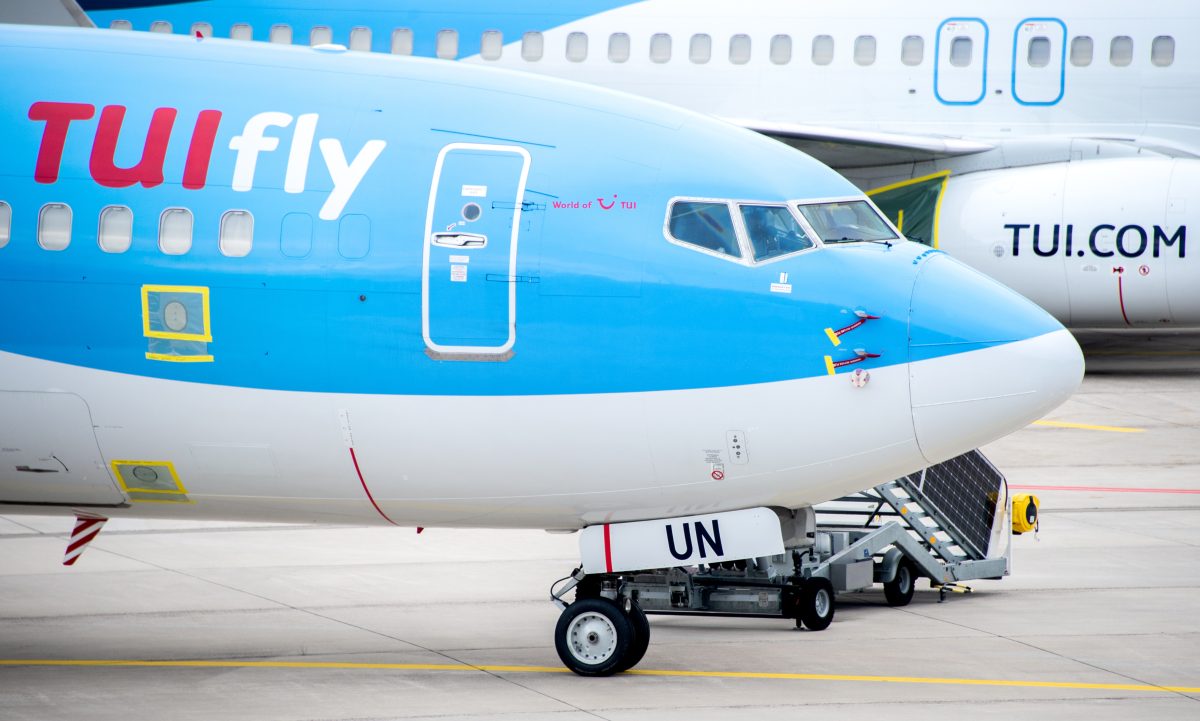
(593, 637)
(817, 604)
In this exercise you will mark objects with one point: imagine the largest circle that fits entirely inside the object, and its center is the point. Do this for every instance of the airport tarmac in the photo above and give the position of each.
(1100, 618)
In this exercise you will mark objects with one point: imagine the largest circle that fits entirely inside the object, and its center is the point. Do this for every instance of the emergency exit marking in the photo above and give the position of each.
(458, 274)
(474, 191)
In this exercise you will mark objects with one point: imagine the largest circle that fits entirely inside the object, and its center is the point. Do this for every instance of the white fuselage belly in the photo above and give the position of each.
(529, 461)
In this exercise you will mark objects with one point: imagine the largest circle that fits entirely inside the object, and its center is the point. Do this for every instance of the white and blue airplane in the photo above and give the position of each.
(1050, 144)
(306, 285)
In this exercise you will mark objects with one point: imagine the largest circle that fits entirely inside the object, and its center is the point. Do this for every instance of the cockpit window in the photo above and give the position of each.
(707, 225)
(773, 231)
(846, 222)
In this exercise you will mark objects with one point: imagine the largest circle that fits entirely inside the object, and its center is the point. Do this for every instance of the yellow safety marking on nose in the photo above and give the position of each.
(833, 337)
(829, 364)
(348, 665)
(1087, 427)
(179, 358)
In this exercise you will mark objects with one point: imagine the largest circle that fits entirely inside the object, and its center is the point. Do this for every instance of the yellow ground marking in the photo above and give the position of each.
(1087, 427)
(1006, 683)
(937, 206)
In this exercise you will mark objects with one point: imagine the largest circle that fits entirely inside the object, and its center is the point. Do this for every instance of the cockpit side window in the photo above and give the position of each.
(846, 221)
(705, 225)
(773, 231)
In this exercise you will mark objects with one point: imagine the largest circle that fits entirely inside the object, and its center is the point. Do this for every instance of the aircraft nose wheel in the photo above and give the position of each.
(594, 637)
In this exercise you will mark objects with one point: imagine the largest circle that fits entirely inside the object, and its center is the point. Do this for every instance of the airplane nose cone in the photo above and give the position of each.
(984, 361)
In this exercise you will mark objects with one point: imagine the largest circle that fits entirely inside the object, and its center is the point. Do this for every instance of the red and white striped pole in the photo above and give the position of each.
(86, 530)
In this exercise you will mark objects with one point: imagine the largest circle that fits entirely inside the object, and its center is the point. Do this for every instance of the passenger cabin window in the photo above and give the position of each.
(705, 225)
(532, 46)
(280, 34)
(354, 236)
(700, 49)
(1039, 52)
(402, 41)
(160, 26)
(739, 49)
(320, 35)
(204, 30)
(116, 229)
(961, 49)
(447, 44)
(1120, 52)
(577, 47)
(618, 47)
(120, 25)
(773, 231)
(360, 39)
(1162, 51)
(660, 48)
(864, 50)
(5, 223)
(846, 222)
(237, 233)
(241, 31)
(295, 235)
(912, 50)
(781, 49)
(822, 50)
(175, 231)
(491, 45)
(54, 226)
(1081, 51)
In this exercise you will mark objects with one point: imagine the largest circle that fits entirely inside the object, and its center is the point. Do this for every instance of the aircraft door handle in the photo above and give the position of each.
(459, 240)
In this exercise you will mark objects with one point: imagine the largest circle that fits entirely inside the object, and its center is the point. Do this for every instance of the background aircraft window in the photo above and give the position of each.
(1081, 51)
(700, 50)
(1162, 51)
(160, 26)
(660, 48)
(295, 235)
(822, 50)
(1120, 52)
(1039, 52)
(618, 47)
(739, 49)
(447, 44)
(5, 223)
(116, 229)
(360, 39)
(532, 45)
(912, 50)
(241, 31)
(281, 34)
(773, 231)
(402, 41)
(175, 231)
(237, 233)
(705, 225)
(961, 49)
(864, 50)
(846, 221)
(577, 47)
(320, 35)
(54, 226)
(120, 25)
(781, 49)
(491, 45)
(202, 29)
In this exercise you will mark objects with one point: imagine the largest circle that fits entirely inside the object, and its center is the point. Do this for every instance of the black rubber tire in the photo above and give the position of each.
(817, 604)
(899, 590)
(611, 646)
(641, 637)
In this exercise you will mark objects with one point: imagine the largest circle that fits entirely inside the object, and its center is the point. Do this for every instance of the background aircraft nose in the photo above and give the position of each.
(985, 361)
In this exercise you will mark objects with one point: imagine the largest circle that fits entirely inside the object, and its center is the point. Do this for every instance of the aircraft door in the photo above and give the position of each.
(469, 304)
(1039, 61)
(960, 71)
(48, 451)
